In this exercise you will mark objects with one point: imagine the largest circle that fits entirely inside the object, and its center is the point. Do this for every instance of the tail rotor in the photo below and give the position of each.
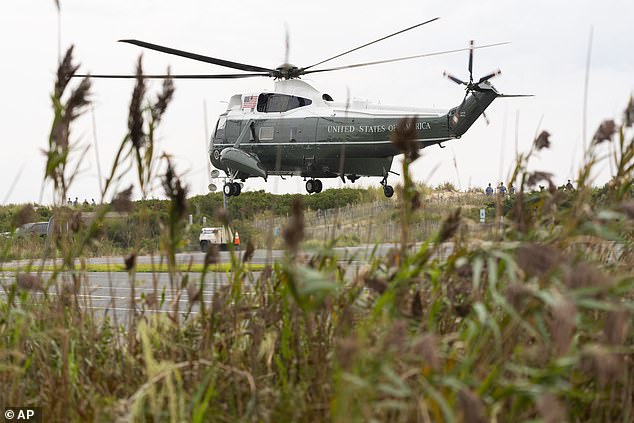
(472, 86)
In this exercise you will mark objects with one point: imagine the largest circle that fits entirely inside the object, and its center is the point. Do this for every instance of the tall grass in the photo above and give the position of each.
(534, 326)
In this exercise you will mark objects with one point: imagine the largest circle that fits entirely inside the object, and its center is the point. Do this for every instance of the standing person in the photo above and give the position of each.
(489, 190)
(569, 186)
(512, 189)
(502, 189)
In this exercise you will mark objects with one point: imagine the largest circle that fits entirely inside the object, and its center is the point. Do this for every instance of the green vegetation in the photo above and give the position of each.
(536, 325)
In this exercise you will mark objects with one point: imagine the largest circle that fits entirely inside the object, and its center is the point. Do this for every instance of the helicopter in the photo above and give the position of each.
(296, 130)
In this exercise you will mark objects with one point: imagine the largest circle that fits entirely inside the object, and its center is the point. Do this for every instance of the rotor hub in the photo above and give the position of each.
(287, 71)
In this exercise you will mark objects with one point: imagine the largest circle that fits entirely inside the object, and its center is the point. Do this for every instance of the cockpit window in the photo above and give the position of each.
(220, 127)
(269, 103)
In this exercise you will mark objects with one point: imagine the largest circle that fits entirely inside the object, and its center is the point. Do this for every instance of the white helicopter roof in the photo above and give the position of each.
(299, 88)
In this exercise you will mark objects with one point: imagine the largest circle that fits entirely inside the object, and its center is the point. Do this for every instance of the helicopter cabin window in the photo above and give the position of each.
(270, 103)
(220, 127)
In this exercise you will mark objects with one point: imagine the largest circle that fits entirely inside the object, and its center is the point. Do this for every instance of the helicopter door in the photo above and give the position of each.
(232, 131)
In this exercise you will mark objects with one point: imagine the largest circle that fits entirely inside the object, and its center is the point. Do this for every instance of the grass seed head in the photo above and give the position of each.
(30, 282)
(212, 255)
(627, 207)
(193, 292)
(616, 327)
(404, 137)
(537, 259)
(563, 325)
(294, 232)
(347, 350)
(26, 214)
(248, 253)
(130, 261)
(583, 275)
(449, 226)
(79, 98)
(175, 191)
(473, 410)
(542, 141)
(164, 98)
(538, 176)
(598, 362)
(135, 118)
(222, 215)
(396, 336)
(551, 409)
(604, 132)
(65, 71)
(378, 285)
(427, 348)
(150, 299)
(122, 202)
(516, 293)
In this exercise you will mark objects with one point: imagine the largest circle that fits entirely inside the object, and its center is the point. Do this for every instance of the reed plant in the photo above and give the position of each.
(535, 326)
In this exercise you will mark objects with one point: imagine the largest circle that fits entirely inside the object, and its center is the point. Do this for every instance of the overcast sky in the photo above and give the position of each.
(547, 58)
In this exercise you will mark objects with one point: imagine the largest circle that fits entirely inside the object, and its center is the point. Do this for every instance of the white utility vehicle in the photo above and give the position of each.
(219, 236)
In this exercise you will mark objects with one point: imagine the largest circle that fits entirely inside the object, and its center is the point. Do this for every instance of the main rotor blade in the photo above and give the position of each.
(221, 76)
(199, 57)
(372, 42)
(471, 61)
(489, 76)
(379, 62)
(454, 79)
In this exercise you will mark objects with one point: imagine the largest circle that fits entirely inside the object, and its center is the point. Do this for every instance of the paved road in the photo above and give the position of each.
(358, 253)
(111, 293)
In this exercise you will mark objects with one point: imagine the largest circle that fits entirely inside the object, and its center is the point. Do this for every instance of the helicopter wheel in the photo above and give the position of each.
(388, 190)
(237, 189)
(318, 186)
(229, 189)
(310, 186)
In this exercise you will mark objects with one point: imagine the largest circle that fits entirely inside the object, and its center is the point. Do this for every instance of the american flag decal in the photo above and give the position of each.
(249, 101)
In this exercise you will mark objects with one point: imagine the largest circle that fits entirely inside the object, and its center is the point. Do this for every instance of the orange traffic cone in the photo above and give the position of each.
(236, 241)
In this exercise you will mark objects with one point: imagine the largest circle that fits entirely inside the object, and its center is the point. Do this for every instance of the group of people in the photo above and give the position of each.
(501, 189)
(75, 203)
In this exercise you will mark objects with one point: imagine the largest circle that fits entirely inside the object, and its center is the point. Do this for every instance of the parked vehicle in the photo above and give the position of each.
(36, 228)
(219, 236)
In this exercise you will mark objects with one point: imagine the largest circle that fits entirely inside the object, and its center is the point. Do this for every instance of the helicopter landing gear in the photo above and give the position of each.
(313, 185)
(388, 190)
(232, 189)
